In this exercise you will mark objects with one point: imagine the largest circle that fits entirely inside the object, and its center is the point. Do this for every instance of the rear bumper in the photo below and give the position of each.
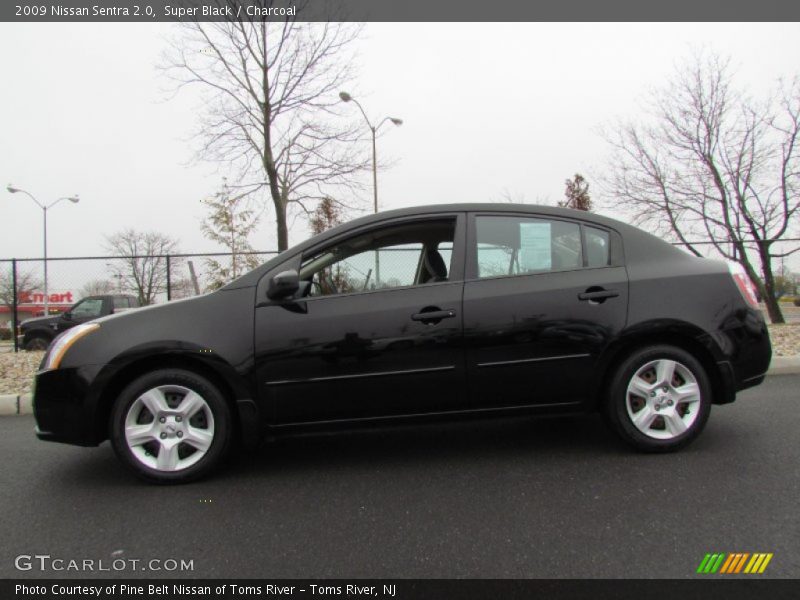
(62, 407)
(753, 350)
(752, 381)
(746, 346)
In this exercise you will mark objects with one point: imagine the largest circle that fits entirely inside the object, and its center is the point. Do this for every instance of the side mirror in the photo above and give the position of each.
(67, 316)
(283, 285)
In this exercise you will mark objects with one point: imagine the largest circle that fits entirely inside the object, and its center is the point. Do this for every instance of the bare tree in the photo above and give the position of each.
(714, 165)
(97, 287)
(271, 106)
(142, 264)
(181, 285)
(27, 282)
(576, 194)
(509, 197)
(230, 224)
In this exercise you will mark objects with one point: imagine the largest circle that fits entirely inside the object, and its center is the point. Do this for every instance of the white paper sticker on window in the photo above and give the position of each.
(535, 247)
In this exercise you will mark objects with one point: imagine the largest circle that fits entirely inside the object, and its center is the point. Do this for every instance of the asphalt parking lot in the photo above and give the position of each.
(547, 498)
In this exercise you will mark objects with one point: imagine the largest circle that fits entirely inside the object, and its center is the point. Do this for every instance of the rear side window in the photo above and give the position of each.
(523, 245)
(121, 303)
(597, 247)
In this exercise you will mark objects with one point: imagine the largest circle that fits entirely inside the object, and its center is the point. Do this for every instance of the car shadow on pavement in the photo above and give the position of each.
(424, 445)
(543, 442)
(580, 443)
(429, 445)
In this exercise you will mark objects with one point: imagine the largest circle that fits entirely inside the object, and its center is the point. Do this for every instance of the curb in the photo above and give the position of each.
(784, 365)
(22, 404)
(11, 405)
(16, 405)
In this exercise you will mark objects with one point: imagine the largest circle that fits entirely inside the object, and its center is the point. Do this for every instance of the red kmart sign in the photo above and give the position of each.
(37, 297)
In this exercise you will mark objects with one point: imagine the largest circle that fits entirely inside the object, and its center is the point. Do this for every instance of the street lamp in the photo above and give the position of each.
(374, 129)
(345, 97)
(74, 199)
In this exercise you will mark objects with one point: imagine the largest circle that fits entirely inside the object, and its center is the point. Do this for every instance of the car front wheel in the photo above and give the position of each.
(37, 343)
(659, 399)
(171, 426)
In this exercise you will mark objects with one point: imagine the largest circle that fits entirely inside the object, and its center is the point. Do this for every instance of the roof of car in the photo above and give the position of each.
(490, 207)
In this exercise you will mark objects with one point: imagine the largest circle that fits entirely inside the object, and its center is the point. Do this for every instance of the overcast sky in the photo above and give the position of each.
(487, 108)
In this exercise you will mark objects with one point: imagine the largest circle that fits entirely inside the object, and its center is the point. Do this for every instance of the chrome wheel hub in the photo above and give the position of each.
(169, 428)
(663, 399)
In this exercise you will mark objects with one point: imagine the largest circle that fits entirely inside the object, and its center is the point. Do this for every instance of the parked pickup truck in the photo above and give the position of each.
(36, 334)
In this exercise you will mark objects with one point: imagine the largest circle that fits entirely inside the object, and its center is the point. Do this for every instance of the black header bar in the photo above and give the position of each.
(149, 11)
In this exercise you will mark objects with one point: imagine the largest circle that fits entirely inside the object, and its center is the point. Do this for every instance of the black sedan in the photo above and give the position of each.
(454, 310)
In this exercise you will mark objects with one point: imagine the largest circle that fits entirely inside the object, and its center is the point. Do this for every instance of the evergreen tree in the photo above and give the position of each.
(230, 224)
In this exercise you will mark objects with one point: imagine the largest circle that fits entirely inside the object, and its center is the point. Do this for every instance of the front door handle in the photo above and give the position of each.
(595, 294)
(432, 317)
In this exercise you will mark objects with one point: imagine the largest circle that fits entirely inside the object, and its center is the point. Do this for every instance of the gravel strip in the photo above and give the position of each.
(785, 339)
(17, 370)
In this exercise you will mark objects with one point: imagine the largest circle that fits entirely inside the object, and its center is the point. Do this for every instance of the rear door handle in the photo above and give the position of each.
(598, 294)
(433, 315)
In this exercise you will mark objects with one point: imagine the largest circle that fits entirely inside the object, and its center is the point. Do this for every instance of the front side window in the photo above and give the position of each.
(523, 245)
(91, 307)
(400, 256)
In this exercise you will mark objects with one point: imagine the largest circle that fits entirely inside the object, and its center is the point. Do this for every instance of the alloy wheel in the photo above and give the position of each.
(663, 399)
(169, 428)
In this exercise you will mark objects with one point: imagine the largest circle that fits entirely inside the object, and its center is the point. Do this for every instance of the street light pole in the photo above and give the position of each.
(46, 292)
(345, 97)
(374, 129)
(375, 166)
(74, 199)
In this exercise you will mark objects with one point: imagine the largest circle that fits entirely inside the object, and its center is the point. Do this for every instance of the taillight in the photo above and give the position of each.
(744, 284)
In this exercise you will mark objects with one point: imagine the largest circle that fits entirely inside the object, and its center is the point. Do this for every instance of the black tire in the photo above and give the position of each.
(616, 408)
(215, 402)
(37, 343)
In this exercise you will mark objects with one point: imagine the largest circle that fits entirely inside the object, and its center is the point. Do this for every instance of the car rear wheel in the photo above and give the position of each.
(171, 426)
(659, 399)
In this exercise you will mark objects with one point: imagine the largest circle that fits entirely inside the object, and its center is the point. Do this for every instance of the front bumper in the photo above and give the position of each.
(64, 407)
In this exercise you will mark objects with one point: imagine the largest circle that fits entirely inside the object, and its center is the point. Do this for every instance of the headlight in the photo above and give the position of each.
(63, 343)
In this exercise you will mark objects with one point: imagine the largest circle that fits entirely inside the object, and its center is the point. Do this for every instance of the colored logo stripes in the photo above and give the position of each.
(735, 562)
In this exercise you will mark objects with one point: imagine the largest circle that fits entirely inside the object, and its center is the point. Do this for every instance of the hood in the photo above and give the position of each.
(140, 312)
(39, 321)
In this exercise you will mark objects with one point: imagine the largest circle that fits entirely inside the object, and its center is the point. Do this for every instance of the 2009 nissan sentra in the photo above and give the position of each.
(468, 309)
